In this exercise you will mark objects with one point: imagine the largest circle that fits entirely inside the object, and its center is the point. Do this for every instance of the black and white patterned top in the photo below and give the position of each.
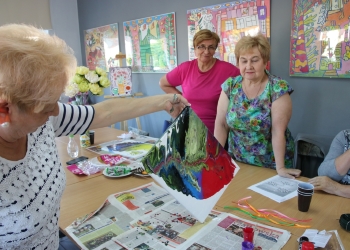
(31, 188)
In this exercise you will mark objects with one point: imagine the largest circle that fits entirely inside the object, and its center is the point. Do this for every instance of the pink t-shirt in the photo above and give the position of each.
(202, 89)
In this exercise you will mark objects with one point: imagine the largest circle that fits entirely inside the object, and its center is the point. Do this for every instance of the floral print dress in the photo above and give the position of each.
(249, 121)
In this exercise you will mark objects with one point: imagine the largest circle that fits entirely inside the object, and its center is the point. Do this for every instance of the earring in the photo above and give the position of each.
(4, 120)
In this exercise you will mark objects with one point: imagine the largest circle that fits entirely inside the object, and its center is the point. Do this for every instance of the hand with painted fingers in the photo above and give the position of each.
(291, 173)
(324, 183)
(175, 103)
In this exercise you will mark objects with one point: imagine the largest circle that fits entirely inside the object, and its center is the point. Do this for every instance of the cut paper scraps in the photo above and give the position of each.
(190, 164)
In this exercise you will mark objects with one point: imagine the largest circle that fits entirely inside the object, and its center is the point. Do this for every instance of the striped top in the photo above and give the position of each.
(31, 188)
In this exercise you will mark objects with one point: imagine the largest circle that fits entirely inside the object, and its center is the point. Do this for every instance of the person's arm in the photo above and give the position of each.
(337, 162)
(121, 109)
(281, 112)
(221, 127)
(330, 186)
(167, 87)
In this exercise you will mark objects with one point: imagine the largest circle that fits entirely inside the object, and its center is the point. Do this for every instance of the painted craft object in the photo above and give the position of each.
(190, 159)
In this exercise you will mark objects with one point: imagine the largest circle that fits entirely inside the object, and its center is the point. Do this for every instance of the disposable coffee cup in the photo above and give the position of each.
(305, 194)
(305, 187)
(304, 200)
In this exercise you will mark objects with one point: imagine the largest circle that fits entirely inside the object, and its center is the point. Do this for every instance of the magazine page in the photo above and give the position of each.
(133, 148)
(227, 233)
(277, 188)
(191, 164)
(116, 214)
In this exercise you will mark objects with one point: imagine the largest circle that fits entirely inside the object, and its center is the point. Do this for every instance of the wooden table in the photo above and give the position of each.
(84, 194)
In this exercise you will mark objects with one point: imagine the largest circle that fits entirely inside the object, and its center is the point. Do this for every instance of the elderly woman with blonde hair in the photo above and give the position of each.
(201, 78)
(254, 110)
(34, 70)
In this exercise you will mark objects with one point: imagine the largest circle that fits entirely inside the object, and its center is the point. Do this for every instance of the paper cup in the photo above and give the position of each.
(305, 187)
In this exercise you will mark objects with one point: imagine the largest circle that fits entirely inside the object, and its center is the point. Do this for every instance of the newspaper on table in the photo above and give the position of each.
(147, 217)
(133, 148)
(277, 188)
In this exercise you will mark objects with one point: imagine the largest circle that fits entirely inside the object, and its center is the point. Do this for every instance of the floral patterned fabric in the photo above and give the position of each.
(249, 120)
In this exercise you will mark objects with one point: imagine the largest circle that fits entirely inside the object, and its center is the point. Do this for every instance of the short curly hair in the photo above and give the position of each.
(34, 66)
(247, 43)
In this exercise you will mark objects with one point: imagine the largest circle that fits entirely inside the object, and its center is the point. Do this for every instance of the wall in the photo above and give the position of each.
(65, 24)
(319, 104)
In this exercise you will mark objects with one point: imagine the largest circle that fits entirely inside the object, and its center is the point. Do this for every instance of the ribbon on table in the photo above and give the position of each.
(266, 214)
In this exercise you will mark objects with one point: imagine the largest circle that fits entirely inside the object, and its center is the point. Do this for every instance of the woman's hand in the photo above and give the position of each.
(324, 183)
(291, 173)
(175, 103)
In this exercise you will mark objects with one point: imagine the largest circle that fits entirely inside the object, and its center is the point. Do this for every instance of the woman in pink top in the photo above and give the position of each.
(201, 78)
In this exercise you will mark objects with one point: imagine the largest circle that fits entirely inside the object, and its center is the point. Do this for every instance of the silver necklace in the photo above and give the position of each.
(247, 92)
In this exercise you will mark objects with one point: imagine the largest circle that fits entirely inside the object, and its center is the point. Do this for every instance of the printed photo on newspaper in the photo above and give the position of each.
(148, 217)
(277, 188)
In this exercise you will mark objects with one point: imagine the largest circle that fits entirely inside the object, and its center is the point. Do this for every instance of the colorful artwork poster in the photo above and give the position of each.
(231, 21)
(150, 44)
(101, 46)
(120, 78)
(189, 159)
(320, 44)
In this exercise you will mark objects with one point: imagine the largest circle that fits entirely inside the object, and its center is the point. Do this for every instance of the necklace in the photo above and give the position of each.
(247, 92)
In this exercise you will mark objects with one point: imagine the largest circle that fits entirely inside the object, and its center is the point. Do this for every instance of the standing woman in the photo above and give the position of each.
(254, 110)
(201, 78)
(34, 70)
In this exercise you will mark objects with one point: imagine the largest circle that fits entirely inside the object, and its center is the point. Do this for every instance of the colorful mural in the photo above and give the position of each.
(189, 158)
(230, 21)
(101, 46)
(150, 44)
(320, 44)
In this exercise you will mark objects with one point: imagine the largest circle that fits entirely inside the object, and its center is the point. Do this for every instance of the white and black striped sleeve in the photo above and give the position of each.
(72, 119)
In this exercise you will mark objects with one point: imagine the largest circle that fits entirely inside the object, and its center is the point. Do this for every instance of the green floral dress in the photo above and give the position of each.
(250, 139)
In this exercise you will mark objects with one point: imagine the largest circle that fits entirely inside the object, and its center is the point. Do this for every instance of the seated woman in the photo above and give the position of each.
(254, 110)
(334, 171)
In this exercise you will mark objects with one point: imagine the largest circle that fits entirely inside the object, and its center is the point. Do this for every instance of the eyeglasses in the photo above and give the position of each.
(203, 48)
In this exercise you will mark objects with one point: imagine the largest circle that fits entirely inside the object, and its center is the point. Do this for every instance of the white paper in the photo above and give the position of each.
(277, 188)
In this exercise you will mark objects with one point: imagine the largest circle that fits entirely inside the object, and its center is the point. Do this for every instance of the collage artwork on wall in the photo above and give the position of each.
(121, 84)
(320, 44)
(101, 46)
(150, 44)
(231, 21)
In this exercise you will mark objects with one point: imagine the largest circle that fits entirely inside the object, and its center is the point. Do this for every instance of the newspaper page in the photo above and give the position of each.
(169, 228)
(227, 233)
(277, 188)
(220, 231)
(116, 214)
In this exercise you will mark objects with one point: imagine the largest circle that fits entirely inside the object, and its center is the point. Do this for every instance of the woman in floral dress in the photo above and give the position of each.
(254, 110)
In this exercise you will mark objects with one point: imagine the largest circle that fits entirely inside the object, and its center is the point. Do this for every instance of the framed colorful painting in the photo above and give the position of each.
(230, 21)
(150, 44)
(101, 46)
(121, 84)
(320, 44)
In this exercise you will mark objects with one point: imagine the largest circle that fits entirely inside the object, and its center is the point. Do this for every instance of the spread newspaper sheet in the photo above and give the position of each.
(148, 217)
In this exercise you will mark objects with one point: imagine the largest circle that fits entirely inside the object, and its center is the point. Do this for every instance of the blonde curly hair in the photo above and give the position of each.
(34, 66)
